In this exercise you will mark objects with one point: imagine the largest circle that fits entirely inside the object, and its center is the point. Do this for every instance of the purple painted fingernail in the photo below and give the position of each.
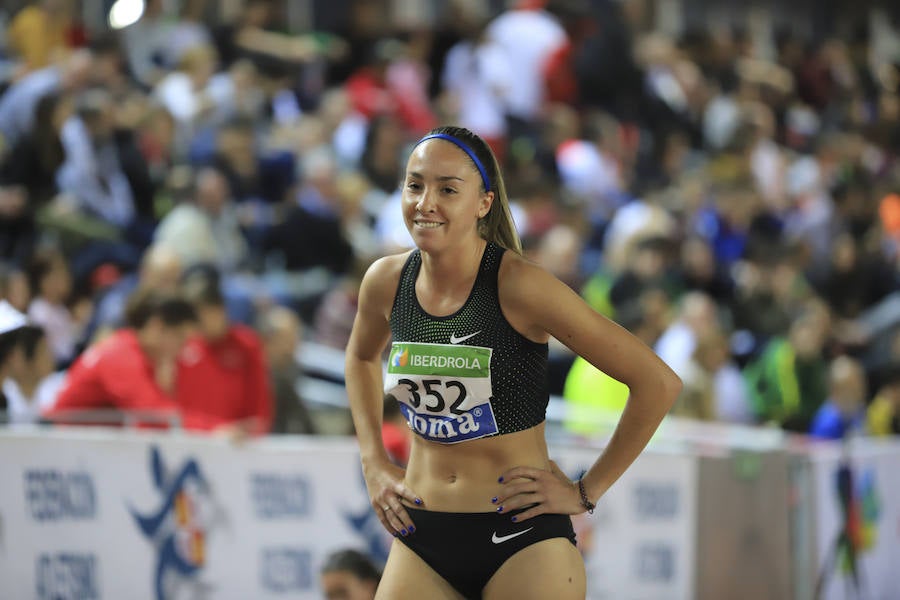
(500, 480)
(403, 532)
(494, 500)
(412, 528)
(513, 519)
(418, 501)
(499, 509)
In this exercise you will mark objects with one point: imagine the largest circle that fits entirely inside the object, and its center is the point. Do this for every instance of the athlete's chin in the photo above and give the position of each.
(427, 239)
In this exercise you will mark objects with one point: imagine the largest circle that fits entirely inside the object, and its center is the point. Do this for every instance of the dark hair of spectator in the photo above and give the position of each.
(8, 342)
(386, 181)
(566, 10)
(352, 561)
(28, 338)
(886, 375)
(40, 265)
(202, 289)
(631, 316)
(240, 124)
(7, 272)
(105, 44)
(93, 103)
(50, 149)
(171, 308)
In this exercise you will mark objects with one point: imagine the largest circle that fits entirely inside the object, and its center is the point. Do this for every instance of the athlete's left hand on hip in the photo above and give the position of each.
(546, 491)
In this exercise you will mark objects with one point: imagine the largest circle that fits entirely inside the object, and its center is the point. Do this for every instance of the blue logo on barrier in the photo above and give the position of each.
(656, 500)
(281, 497)
(284, 570)
(655, 561)
(180, 526)
(53, 495)
(367, 525)
(66, 575)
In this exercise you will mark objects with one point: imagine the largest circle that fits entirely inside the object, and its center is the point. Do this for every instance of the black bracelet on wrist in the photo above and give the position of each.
(587, 504)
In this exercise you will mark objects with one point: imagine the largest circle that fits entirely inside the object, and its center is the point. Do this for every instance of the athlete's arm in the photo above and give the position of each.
(363, 369)
(363, 374)
(539, 304)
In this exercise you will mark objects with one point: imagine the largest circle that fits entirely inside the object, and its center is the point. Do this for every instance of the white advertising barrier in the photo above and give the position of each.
(99, 514)
(856, 503)
(640, 543)
(107, 515)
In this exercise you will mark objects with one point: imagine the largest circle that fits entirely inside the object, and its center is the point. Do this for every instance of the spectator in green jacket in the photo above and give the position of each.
(788, 381)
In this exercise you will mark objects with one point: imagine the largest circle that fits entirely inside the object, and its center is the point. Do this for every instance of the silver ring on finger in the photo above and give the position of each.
(385, 508)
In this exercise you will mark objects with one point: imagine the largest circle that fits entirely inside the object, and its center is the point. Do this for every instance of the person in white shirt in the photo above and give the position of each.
(146, 44)
(11, 322)
(51, 282)
(205, 231)
(184, 92)
(528, 37)
(31, 385)
(698, 322)
(92, 180)
(478, 76)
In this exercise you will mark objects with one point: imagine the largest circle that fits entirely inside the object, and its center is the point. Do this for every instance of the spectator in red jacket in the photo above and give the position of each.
(222, 371)
(134, 368)
(394, 82)
(395, 432)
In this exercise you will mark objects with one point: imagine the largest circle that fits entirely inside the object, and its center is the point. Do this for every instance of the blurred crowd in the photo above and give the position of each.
(185, 200)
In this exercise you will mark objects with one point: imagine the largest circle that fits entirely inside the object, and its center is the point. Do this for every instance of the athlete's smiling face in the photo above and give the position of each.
(443, 196)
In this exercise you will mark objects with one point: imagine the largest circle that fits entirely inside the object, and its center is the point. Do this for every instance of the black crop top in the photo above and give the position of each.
(467, 375)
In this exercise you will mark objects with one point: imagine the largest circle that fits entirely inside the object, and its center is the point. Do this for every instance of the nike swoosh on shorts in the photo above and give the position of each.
(499, 539)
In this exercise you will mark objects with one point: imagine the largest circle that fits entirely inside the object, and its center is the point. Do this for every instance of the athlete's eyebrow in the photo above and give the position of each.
(417, 175)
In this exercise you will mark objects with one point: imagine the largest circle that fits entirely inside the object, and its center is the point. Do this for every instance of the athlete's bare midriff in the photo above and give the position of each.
(463, 477)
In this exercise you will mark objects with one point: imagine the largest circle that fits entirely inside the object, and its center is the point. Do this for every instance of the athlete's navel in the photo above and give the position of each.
(451, 478)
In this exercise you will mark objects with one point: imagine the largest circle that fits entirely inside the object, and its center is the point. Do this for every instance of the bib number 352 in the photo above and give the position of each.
(432, 392)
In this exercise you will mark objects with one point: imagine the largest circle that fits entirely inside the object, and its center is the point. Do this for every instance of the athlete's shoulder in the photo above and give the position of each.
(389, 265)
(520, 280)
(387, 269)
(516, 269)
(382, 277)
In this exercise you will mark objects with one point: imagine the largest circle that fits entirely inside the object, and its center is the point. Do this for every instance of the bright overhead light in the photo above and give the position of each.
(125, 12)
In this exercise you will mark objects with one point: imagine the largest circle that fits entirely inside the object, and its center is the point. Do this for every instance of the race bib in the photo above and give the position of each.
(444, 390)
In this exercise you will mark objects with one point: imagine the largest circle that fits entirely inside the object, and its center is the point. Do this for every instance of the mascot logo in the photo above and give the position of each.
(179, 527)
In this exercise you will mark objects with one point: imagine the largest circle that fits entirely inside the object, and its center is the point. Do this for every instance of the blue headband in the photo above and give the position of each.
(462, 146)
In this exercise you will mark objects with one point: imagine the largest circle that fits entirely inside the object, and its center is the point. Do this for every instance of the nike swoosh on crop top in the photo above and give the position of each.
(466, 375)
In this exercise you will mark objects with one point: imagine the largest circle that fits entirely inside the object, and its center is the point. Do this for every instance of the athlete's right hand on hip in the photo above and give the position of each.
(384, 481)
